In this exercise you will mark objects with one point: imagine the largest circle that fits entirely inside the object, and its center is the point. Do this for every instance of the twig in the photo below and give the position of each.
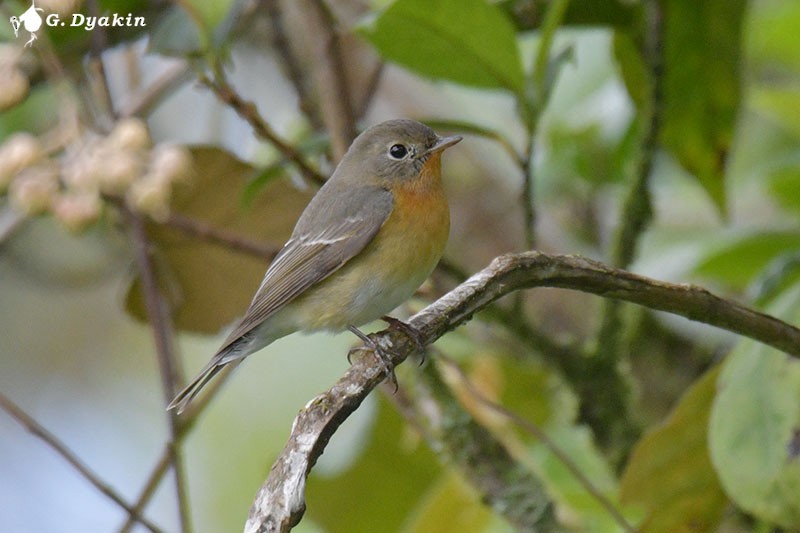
(330, 72)
(145, 100)
(280, 502)
(160, 321)
(529, 191)
(98, 80)
(294, 70)
(150, 486)
(535, 104)
(503, 483)
(491, 469)
(539, 433)
(187, 422)
(248, 111)
(635, 216)
(61, 449)
(211, 233)
(370, 89)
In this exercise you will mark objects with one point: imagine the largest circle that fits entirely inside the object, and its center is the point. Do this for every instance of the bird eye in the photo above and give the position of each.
(398, 151)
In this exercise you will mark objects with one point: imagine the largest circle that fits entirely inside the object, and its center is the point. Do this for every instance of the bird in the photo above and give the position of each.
(363, 245)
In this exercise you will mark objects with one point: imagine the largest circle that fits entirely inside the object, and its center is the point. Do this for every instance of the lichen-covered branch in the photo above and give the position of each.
(280, 502)
(503, 483)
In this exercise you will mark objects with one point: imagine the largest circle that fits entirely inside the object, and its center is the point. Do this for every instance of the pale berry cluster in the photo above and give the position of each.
(14, 84)
(72, 184)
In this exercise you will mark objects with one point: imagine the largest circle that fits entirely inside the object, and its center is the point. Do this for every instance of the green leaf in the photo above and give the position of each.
(738, 261)
(527, 14)
(453, 505)
(784, 186)
(582, 507)
(632, 69)
(702, 59)
(754, 432)
(781, 273)
(193, 27)
(772, 36)
(781, 104)
(210, 284)
(394, 471)
(470, 42)
(583, 153)
(669, 475)
(176, 34)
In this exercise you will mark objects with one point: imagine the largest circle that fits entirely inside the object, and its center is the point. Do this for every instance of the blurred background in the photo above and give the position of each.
(657, 136)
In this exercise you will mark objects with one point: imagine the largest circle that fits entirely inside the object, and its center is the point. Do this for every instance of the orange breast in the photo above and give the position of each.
(391, 267)
(414, 236)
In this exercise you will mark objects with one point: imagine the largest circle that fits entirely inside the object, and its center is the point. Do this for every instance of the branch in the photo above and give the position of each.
(293, 67)
(186, 424)
(330, 76)
(248, 111)
(211, 233)
(61, 449)
(609, 417)
(538, 433)
(160, 320)
(502, 482)
(280, 502)
(145, 100)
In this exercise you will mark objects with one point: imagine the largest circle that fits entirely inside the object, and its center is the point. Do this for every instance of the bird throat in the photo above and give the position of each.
(430, 177)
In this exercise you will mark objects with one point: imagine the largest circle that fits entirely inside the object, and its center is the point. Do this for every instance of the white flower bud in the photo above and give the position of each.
(171, 162)
(77, 210)
(117, 170)
(151, 197)
(128, 134)
(14, 87)
(79, 171)
(33, 190)
(20, 151)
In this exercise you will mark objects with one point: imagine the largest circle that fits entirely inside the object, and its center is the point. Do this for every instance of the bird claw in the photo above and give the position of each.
(384, 357)
(381, 353)
(410, 332)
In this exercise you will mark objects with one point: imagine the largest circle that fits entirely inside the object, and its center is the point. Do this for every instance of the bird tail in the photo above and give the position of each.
(231, 352)
(185, 397)
(218, 362)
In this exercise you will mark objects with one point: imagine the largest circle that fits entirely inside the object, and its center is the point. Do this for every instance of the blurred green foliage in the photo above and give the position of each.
(726, 188)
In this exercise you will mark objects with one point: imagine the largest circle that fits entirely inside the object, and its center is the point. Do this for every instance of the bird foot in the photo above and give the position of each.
(383, 356)
(413, 334)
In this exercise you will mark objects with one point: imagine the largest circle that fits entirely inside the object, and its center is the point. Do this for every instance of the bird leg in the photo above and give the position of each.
(413, 334)
(383, 356)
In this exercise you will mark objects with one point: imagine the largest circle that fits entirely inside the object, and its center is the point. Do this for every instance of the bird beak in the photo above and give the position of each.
(443, 143)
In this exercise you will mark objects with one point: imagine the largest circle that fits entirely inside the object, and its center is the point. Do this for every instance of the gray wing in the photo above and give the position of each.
(332, 230)
(335, 227)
